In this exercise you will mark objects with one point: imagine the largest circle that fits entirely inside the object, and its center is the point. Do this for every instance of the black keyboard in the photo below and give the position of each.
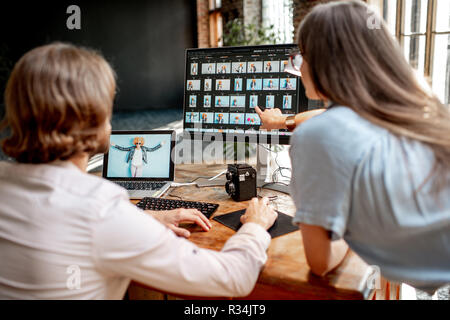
(158, 204)
(140, 185)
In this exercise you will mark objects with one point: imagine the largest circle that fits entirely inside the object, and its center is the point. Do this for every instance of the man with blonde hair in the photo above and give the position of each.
(66, 234)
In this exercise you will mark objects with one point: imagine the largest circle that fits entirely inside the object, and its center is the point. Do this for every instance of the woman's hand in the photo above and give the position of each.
(271, 118)
(173, 218)
(260, 212)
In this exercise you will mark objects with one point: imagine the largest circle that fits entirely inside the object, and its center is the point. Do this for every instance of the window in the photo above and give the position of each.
(423, 30)
(215, 23)
(279, 13)
(440, 55)
(390, 15)
(413, 34)
(388, 10)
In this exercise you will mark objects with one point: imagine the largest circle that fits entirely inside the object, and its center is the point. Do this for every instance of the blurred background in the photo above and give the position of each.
(145, 41)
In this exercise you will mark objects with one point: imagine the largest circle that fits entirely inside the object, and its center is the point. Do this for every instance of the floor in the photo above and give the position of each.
(145, 120)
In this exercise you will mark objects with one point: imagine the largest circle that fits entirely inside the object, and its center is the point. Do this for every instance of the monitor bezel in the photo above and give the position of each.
(147, 132)
(237, 137)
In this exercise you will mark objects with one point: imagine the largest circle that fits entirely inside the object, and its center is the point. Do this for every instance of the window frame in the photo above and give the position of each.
(430, 32)
(214, 14)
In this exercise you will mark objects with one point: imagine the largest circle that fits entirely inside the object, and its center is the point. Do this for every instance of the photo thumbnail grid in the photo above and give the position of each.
(266, 66)
(223, 118)
(281, 101)
(230, 92)
(226, 92)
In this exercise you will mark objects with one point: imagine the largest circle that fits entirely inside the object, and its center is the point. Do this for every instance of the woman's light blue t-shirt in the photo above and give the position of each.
(360, 182)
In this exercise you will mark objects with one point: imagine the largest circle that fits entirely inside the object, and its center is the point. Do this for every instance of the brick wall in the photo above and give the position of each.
(302, 8)
(232, 9)
(248, 10)
(203, 23)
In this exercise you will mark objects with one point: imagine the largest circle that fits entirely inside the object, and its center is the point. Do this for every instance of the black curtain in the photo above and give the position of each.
(145, 42)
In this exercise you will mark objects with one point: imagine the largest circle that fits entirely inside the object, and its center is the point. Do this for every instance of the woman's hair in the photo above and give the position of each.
(355, 63)
(58, 98)
(139, 139)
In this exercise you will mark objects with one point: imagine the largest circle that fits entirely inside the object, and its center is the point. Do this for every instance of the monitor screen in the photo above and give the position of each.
(139, 156)
(223, 86)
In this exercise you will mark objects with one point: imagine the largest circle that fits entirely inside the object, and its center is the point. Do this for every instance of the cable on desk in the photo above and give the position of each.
(176, 185)
(269, 183)
(280, 168)
(172, 195)
(271, 198)
(200, 178)
(278, 182)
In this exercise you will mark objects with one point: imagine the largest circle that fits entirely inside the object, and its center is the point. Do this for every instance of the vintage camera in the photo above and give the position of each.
(241, 182)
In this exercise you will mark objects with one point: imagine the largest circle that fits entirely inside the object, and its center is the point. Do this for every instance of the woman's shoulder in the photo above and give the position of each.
(338, 130)
(338, 123)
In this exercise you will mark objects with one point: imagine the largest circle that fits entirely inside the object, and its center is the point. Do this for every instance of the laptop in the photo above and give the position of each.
(141, 162)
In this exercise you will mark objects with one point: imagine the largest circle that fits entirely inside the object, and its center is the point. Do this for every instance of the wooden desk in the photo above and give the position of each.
(286, 274)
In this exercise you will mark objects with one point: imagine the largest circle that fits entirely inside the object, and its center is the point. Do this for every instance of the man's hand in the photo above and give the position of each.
(173, 218)
(271, 118)
(260, 212)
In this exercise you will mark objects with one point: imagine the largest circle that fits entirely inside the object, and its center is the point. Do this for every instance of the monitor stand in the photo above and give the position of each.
(263, 169)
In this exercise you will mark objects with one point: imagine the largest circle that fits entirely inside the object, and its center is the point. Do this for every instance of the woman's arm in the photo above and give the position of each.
(322, 254)
(274, 119)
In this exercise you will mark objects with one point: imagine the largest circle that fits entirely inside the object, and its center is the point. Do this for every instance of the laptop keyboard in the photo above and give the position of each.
(140, 185)
(159, 204)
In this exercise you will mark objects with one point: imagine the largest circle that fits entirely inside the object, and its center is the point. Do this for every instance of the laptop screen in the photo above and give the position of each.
(139, 155)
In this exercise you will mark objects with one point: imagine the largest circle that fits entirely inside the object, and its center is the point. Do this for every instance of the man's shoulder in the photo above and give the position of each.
(63, 181)
(95, 193)
(91, 186)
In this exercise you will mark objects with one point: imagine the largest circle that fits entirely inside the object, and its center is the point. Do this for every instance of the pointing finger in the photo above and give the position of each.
(258, 110)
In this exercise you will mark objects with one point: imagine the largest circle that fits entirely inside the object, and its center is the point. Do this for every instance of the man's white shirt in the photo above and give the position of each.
(65, 234)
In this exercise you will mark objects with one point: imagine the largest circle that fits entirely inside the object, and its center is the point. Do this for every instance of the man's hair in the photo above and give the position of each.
(57, 99)
(139, 139)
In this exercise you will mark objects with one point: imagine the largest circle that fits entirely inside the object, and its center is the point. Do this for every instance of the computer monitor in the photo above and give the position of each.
(223, 85)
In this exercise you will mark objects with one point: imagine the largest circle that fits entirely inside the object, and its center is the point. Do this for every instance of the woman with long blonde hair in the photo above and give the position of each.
(372, 172)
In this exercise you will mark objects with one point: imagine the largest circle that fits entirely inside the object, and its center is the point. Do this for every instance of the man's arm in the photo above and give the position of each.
(128, 242)
(322, 254)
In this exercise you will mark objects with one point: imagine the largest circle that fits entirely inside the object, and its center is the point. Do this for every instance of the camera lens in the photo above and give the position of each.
(229, 188)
